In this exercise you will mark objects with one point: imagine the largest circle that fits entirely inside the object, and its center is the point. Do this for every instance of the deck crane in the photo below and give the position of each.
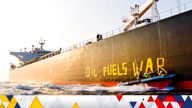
(137, 12)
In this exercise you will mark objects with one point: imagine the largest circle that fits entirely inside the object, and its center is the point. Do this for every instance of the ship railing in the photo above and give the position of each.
(42, 57)
(175, 10)
(162, 15)
(94, 39)
(50, 54)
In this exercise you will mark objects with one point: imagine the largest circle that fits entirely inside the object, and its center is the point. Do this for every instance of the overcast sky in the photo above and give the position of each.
(61, 22)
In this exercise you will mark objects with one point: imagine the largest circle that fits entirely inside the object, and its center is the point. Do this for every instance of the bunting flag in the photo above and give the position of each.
(96, 101)
(119, 97)
(8, 101)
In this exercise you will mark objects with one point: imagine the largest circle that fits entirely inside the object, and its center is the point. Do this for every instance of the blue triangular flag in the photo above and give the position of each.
(178, 98)
(9, 97)
(133, 104)
(17, 106)
(187, 103)
(162, 97)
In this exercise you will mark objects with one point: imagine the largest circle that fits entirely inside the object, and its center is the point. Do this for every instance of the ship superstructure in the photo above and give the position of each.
(34, 55)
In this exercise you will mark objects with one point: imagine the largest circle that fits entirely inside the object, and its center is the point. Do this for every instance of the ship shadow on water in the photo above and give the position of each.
(78, 89)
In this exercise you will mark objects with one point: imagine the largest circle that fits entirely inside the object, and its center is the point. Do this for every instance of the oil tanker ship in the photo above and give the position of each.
(160, 47)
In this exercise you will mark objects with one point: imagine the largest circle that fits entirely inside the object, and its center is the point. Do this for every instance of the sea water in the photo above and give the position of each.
(8, 88)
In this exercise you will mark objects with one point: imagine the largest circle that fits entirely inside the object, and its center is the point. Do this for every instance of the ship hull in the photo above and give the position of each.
(163, 46)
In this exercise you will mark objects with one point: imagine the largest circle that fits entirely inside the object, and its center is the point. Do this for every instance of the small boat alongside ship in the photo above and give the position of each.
(158, 53)
(163, 82)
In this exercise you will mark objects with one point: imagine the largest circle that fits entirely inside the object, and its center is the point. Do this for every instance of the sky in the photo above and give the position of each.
(61, 23)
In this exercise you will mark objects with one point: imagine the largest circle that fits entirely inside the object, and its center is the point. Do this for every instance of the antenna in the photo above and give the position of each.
(41, 42)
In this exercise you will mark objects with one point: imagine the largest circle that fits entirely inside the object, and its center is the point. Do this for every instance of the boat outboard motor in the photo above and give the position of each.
(99, 37)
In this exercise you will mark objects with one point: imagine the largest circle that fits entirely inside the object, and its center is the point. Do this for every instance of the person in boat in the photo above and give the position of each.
(146, 75)
(152, 74)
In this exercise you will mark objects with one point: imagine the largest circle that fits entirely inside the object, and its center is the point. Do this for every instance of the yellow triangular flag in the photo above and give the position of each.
(12, 103)
(36, 103)
(4, 98)
(76, 105)
(2, 106)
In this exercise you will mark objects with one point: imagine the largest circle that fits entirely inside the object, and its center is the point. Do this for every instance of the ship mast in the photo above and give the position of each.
(179, 6)
(137, 12)
(41, 42)
(155, 14)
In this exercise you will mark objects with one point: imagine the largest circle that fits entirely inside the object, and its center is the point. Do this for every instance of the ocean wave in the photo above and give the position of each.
(70, 89)
(24, 87)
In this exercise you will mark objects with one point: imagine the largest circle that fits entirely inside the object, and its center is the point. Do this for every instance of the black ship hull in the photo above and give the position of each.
(164, 46)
